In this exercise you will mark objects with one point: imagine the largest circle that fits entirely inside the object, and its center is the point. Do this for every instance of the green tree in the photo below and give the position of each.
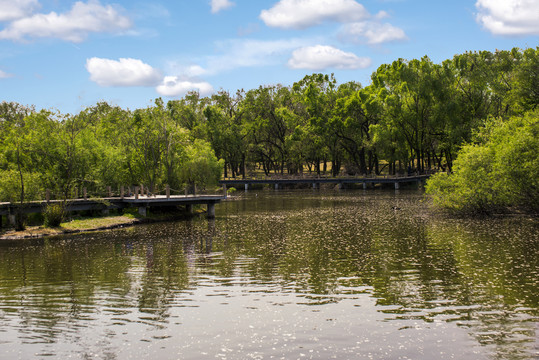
(223, 130)
(525, 87)
(317, 95)
(200, 166)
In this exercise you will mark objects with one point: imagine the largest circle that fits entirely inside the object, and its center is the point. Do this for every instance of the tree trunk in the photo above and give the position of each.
(243, 165)
(362, 162)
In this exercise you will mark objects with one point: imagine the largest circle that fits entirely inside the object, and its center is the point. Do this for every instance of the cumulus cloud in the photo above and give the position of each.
(509, 17)
(175, 86)
(218, 5)
(4, 75)
(358, 24)
(74, 26)
(124, 72)
(300, 14)
(373, 33)
(321, 57)
(16, 9)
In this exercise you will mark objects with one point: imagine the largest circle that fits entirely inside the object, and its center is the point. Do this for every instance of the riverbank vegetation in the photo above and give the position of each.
(496, 173)
(415, 115)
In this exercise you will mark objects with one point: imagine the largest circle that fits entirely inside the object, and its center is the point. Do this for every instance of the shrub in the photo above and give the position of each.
(500, 172)
(53, 215)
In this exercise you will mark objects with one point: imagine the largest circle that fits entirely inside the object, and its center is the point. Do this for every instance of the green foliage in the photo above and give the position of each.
(10, 186)
(54, 214)
(499, 173)
(200, 167)
(415, 114)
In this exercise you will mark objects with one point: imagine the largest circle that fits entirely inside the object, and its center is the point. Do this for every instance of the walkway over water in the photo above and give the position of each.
(113, 203)
(341, 181)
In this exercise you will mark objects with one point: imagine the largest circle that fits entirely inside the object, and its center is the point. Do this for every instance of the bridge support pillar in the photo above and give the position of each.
(189, 208)
(106, 212)
(314, 186)
(276, 186)
(143, 210)
(364, 186)
(396, 186)
(341, 186)
(210, 213)
(12, 219)
(225, 192)
(246, 186)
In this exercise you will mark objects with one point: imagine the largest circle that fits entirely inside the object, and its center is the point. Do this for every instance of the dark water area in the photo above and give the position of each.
(280, 275)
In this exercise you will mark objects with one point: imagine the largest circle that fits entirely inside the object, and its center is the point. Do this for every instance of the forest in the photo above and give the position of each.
(474, 116)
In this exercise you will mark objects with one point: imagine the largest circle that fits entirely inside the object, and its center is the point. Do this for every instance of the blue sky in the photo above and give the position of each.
(67, 55)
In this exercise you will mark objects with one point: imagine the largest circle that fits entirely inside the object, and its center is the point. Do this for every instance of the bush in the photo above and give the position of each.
(53, 215)
(500, 172)
(200, 166)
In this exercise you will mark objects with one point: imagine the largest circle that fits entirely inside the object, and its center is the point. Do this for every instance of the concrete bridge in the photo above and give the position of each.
(110, 203)
(341, 181)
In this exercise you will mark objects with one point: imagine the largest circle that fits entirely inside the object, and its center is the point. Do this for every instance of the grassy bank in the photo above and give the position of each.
(86, 224)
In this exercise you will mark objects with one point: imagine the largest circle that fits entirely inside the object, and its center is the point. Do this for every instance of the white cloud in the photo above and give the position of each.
(4, 75)
(321, 57)
(235, 54)
(382, 15)
(195, 70)
(300, 14)
(125, 72)
(174, 86)
(509, 17)
(16, 9)
(372, 33)
(218, 5)
(74, 26)
(251, 53)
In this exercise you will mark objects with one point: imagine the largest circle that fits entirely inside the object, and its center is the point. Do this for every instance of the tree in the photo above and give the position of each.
(20, 180)
(265, 126)
(223, 130)
(200, 166)
(317, 95)
(525, 88)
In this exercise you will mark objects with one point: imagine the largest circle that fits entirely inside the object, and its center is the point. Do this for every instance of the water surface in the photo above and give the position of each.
(280, 275)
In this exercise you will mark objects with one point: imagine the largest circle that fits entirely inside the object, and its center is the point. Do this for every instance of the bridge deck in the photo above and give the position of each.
(343, 180)
(114, 203)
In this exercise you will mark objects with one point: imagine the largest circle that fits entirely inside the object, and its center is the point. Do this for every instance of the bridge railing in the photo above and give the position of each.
(307, 176)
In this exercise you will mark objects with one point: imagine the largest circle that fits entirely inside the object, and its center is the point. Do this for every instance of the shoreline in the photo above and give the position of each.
(87, 225)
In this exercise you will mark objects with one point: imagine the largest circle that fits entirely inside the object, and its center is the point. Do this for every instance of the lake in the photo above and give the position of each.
(304, 274)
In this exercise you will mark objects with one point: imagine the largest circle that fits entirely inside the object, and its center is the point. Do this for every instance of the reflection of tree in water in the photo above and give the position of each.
(479, 274)
(497, 298)
(54, 283)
